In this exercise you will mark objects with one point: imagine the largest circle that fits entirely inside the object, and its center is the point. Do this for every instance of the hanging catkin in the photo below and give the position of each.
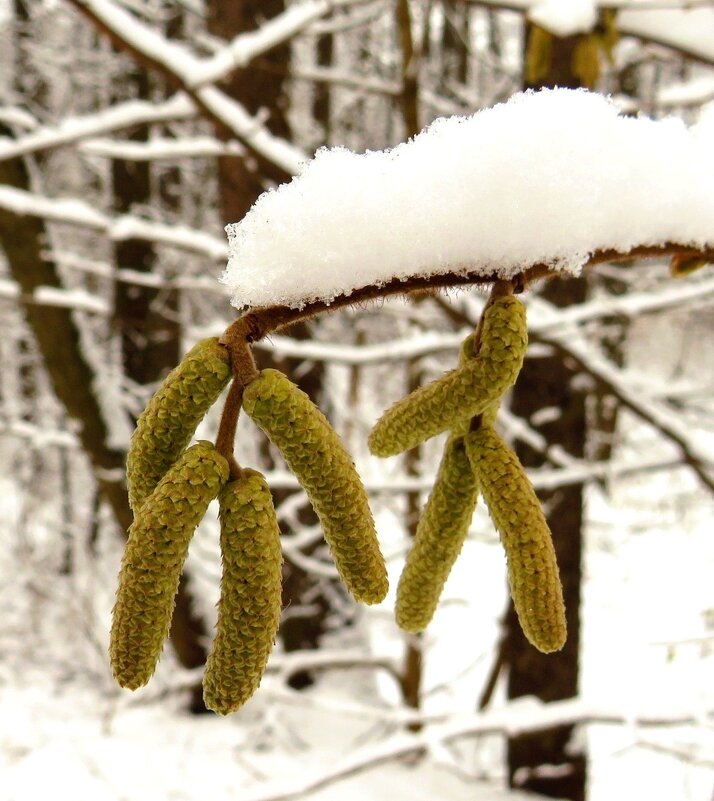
(153, 559)
(317, 457)
(464, 392)
(440, 535)
(249, 607)
(532, 569)
(443, 526)
(166, 426)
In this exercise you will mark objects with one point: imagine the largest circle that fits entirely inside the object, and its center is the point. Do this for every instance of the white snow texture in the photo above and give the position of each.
(564, 17)
(547, 177)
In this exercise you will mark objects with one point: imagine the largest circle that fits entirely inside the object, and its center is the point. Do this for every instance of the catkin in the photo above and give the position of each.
(532, 569)
(153, 559)
(462, 393)
(166, 426)
(249, 607)
(440, 535)
(315, 454)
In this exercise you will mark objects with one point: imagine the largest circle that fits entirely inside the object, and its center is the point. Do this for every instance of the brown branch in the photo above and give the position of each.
(262, 321)
(244, 371)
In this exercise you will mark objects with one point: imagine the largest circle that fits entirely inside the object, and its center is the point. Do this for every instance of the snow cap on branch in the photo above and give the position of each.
(564, 17)
(548, 177)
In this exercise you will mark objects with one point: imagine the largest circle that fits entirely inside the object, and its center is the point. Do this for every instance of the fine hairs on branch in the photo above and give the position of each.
(171, 486)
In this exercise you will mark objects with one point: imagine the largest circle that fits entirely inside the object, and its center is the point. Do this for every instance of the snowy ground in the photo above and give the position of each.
(648, 643)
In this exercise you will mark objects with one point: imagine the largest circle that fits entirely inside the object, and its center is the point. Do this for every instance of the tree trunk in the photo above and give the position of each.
(544, 762)
(261, 87)
(23, 240)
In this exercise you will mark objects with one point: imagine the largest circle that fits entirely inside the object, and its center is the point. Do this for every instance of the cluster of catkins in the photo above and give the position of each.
(476, 460)
(171, 486)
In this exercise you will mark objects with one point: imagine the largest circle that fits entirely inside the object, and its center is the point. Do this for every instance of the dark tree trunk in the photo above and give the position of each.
(146, 317)
(261, 86)
(23, 239)
(544, 383)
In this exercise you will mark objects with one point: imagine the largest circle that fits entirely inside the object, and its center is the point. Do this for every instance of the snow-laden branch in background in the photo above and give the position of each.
(162, 148)
(519, 717)
(682, 25)
(246, 46)
(101, 123)
(178, 64)
(689, 30)
(652, 412)
(547, 178)
(80, 213)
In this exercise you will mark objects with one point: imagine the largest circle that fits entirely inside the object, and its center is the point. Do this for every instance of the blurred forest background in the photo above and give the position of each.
(131, 132)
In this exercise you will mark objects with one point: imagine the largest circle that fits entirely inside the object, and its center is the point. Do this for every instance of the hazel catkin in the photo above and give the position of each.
(315, 454)
(442, 529)
(166, 426)
(249, 607)
(532, 568)
(154, 556)
(461, 393)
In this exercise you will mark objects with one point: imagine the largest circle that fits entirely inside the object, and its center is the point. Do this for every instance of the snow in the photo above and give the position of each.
(180, 62)
(564, 17)
(690, 30)
(547, 177)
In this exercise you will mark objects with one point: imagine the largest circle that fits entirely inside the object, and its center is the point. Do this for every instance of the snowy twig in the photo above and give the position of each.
(527, 715)
(178, 65)
(263, 321)
(116, 118)
(651, 412)
(80, 213)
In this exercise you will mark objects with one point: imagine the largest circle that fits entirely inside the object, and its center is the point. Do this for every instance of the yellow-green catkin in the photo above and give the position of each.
(532, 568)
(443, 526)
(461, 393)
(442, 529)
(153, 559)
(166, 426)
(249, 607)
(315, 454)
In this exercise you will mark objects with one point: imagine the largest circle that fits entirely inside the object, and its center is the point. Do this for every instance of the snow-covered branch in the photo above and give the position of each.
(647, 410)
(162, 149)
(247, 46)
(72, 211)
(527, 715)
(178, 64)
(75, 129)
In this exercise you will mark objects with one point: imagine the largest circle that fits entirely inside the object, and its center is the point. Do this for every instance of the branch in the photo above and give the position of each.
(162, 149)
(178, 65)
(71, 211)
(263, 321)
(652, 413)
(520, 717)
(115, 118)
